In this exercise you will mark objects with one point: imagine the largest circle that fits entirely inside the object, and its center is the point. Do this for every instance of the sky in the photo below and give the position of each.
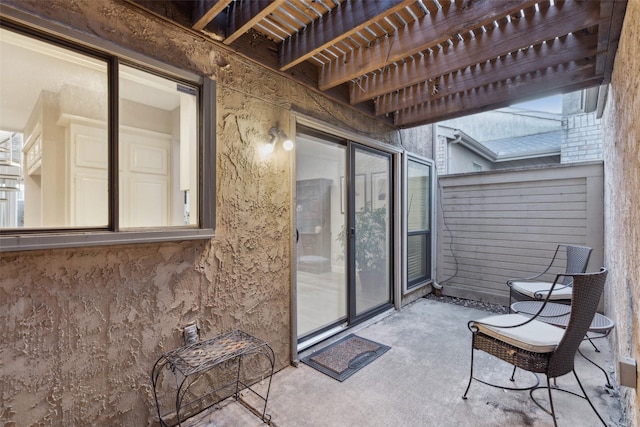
(551, 104)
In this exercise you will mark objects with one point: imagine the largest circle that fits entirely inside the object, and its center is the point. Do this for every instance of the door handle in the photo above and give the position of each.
(352, 231)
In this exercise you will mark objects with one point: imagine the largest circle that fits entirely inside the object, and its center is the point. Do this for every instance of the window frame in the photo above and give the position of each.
(431, 243)
(33, 239)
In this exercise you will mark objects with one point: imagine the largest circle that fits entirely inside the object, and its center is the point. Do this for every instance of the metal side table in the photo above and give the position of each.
(558, 315)
(190, 362)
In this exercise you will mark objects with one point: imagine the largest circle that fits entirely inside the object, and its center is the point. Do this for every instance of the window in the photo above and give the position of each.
(98, 149)
(418, 220)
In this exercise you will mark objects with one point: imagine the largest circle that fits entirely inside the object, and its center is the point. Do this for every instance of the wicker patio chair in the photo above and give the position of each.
(532, 288)
(539, 347)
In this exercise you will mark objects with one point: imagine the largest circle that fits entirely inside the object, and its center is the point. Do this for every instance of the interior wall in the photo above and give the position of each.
(83, 327)
(622, 201)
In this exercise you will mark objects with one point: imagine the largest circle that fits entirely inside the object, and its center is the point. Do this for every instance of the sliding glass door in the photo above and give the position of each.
(370, 229)
(343, 234)
(320, 217)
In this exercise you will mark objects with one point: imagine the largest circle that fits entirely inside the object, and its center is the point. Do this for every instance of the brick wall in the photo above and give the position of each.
(581, 138)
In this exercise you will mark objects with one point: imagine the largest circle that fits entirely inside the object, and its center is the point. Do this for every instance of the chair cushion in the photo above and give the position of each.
(531, 288)
(535, 336)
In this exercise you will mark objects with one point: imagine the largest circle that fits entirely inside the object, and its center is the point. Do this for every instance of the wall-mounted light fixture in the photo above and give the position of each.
(276, 134)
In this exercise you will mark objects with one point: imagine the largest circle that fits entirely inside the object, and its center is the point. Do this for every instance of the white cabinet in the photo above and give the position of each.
(145, 165)
(67, 163)
(89, 203)
(144, 177)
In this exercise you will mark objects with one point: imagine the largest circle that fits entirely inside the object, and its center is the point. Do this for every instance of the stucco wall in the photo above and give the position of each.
(622, 200)
(82, 328)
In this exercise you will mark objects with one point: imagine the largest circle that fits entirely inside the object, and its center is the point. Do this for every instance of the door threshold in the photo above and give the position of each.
(337, 333)
(320, 337)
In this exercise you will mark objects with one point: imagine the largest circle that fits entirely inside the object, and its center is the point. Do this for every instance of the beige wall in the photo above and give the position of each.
(82, 328)
(622, 200)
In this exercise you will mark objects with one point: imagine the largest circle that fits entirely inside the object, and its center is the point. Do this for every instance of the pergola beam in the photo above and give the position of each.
(345, 20)
(245, 14)
(558, 51)
(519, 34)
(418, 36)
(500, 94)
(205, 11)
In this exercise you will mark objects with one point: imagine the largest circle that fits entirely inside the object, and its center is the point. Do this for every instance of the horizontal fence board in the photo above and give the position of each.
(472, 197)
(540, 206)
(515, 189)
(490, 231)
(512, 214)
(505, 222)
(547, 238)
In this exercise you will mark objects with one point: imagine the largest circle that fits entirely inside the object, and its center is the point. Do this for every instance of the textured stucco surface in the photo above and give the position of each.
(83, 327)
(622, 200)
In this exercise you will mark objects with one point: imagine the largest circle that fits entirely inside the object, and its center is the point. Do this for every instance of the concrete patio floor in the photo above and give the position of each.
(420, 381)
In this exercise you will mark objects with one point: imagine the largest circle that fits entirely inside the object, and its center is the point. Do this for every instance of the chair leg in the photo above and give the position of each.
(575, 374)
(464, 396)
(594, 346)
(513, 374)
(606, 376)
(553, 412)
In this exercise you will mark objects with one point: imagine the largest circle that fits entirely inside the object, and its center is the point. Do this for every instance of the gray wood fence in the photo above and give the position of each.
(493, 226)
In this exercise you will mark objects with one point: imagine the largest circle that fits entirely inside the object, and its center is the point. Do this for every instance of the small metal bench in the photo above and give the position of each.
(189, 362)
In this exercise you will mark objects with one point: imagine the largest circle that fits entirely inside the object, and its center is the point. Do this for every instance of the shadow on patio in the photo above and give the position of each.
(420, 381)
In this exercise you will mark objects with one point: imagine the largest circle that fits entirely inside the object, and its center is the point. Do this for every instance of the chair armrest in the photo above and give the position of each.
(524, 279)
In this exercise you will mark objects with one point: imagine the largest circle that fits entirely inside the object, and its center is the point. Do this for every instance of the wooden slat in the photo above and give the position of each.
(256, 48)
(546, 55)
(496, 96)
(567, 187)
(612, 16)
(416, 37)
(346, 19)
(244, 14)
(492, 222)
(472, 199)
(273, 29)
(515, 214)
(206, 10)
(557, 22)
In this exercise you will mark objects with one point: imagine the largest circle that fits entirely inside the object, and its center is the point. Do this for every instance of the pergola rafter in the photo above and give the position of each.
(410, 62)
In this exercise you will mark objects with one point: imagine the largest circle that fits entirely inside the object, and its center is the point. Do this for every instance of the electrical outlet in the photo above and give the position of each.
(627, 372)
(191, 334)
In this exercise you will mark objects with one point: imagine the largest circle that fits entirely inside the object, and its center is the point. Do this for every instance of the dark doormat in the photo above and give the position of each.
(345, 357)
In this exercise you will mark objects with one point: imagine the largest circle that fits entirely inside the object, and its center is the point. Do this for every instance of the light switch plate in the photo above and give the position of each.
(191, 334)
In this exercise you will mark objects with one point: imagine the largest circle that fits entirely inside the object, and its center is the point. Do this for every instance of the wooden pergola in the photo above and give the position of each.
(409, 62)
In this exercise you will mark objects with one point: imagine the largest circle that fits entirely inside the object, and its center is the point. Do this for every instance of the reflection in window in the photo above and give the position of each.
(158, 151)
(54, 144)
(46, 90)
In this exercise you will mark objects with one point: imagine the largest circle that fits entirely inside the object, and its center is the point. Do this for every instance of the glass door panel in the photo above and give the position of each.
(320, 218)
(371, 229)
